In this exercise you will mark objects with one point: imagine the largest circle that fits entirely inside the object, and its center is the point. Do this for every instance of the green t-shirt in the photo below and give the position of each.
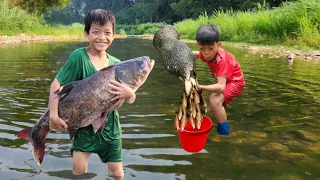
(78, 67)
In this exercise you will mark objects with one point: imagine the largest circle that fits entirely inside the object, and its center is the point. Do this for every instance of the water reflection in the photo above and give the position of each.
(275, 122)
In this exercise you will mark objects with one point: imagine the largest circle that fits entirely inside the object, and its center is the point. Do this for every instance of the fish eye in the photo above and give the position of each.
(143, 64)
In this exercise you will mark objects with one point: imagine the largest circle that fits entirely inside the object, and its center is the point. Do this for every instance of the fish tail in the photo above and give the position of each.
(37, 136)
(188, 86)
(38, 147)
(24, 134)
(203, 104)
(193, 82)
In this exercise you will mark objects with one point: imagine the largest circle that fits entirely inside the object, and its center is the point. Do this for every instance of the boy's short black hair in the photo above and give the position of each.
(99, 16)
(207, 34)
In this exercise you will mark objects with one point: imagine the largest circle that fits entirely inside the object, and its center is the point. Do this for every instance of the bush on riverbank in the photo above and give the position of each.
(16, 21)
(292, 24)
(140, 29)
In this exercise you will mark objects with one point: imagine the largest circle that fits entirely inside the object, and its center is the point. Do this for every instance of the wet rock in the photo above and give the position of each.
(308, 58)
(254, 160)
(289, 176)
(277, 121)
(315, 148)
(34, 38)
(216, 139)
(308, 136)
(279, 153)
(313, 53)
(274, 147)
(249, 159)
(274, 57)
(294, 157)
(241, 137)
(294, 143)
(310, 124)
(255, 137)
(254, 140)
(259, 134)
(253, 49)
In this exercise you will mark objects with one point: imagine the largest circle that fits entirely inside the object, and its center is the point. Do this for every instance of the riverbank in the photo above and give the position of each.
(271, 51)
(23, 38)
(275, 51)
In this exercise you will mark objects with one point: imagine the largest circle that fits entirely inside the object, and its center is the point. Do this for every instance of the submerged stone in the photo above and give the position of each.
(308, 136)
(278, 152)
(274, 147)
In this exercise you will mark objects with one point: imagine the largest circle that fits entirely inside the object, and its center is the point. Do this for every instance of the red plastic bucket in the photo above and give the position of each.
(194, 140)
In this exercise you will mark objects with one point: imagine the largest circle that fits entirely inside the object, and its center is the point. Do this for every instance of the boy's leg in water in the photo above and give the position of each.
(115, 169)
(217, 108)
(80, 162)
(111, 153)
(216, 100)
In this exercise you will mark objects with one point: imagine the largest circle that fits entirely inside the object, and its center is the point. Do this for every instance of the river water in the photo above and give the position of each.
(274, 124)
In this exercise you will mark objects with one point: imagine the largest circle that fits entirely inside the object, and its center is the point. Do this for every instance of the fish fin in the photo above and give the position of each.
(179, 113)
(24, 134)
(115, 105)
(193, 82)
(103, 69)
(38, 152)
(38, 147)
(102, 126)
(98, 123)
(72, 133)
(65, 89)
(181, 78)
(188, 86)
(203, 104)
(176, 121)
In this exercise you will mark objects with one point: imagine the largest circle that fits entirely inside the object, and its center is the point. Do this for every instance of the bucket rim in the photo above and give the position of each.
(198, 132)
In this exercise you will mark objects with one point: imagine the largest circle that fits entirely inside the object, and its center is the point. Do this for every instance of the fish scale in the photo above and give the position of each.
(180, 61)
(80, 101)
(178, 57)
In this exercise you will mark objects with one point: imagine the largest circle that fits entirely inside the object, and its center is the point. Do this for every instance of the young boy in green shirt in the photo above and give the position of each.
(84, 62)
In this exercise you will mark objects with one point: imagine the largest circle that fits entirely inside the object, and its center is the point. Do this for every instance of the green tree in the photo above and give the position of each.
(143, 11)
(38, 7)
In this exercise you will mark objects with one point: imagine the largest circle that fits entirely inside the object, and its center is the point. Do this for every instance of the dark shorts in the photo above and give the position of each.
(232, 90)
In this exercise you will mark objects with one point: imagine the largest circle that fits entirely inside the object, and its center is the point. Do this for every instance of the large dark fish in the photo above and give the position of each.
(86, 102)
(180, 61)
(178, 57)
(163, 35)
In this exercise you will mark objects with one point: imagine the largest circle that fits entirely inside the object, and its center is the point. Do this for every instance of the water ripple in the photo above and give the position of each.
(146, 115)
(141, 136)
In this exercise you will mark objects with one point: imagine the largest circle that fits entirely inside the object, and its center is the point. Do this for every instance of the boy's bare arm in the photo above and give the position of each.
(216, 88)
(54, 120)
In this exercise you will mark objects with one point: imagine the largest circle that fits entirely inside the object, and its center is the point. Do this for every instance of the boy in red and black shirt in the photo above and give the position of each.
(224, 68)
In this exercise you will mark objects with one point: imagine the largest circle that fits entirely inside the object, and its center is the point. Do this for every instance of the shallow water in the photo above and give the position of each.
(274, 123)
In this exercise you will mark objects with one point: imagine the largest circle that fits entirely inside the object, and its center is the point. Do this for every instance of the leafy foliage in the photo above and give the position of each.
(39, 7)
(150, 11)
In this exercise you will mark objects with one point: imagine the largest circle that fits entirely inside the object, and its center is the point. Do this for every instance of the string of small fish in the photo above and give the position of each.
(180, 61)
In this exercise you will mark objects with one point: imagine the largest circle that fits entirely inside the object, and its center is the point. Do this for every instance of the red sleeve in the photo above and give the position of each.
(224, 68)
(202, 58)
